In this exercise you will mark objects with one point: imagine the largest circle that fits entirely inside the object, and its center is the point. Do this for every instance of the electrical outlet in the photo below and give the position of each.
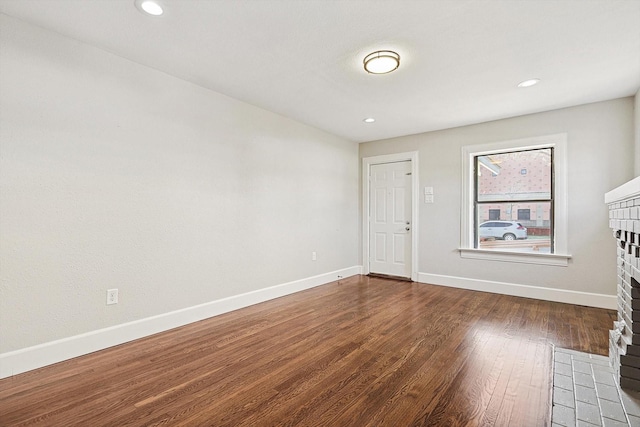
(314, 256)
(112, 296)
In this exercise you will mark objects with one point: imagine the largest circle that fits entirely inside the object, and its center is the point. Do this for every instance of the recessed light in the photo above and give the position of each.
(529, 83)
(381, 62)
(369, 120)
(150, 7)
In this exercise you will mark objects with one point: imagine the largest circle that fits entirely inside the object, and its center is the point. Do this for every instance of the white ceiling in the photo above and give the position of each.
(461, 59)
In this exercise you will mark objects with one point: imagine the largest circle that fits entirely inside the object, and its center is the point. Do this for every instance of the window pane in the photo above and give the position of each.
(513, 234)
(524, 175)
(524, 214)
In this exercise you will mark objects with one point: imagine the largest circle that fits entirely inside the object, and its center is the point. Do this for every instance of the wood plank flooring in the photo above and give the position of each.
(358, 352)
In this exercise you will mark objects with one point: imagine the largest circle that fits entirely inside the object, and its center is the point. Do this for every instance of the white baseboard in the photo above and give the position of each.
(23, 360)
(527, 291)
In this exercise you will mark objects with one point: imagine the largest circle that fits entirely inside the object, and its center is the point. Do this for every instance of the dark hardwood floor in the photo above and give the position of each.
(359, 352)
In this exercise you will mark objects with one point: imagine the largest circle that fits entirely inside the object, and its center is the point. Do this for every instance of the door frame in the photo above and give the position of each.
(367, 162)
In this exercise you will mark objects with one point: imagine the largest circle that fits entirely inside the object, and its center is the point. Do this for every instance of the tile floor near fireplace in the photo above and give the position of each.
(585, 393)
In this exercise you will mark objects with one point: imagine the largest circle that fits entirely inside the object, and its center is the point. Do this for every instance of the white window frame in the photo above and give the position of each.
(561, 255)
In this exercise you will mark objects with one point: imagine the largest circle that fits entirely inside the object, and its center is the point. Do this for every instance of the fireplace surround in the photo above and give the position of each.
(624, 338)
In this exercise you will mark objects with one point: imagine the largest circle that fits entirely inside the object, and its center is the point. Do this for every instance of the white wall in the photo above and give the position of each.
(636, 110)
(600, 158)
(114, 175)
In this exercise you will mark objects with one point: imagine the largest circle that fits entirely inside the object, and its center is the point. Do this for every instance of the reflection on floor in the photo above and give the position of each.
(586, 394)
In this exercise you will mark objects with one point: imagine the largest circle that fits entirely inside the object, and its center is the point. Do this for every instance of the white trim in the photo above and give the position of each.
(415, 200)
(628, 190)
(18, 361)
(521, 257)
(561, 222)
(526, 291)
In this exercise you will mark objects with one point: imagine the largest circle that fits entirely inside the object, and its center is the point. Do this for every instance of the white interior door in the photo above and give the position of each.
(390, 219)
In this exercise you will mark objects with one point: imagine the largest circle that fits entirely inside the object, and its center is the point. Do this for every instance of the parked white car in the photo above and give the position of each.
(505, 230)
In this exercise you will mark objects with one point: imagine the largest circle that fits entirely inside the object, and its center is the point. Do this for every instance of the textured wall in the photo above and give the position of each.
(114, 175)
(600, 158)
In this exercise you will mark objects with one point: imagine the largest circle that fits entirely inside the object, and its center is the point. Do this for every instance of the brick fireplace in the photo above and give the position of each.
(624, 338)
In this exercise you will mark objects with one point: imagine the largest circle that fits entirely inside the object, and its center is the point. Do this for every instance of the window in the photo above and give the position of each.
(514, 201)
(524, 214)
(511, 191)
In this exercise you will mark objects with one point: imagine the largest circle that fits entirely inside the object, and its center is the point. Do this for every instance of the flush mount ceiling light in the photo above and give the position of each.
(529, 83)
(150, 7)
(381, 62)
(369, 120)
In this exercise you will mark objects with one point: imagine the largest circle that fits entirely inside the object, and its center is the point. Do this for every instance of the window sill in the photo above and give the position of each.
(558, 260)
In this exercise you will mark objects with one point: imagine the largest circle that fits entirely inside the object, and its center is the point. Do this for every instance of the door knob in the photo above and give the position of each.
(407, 228)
